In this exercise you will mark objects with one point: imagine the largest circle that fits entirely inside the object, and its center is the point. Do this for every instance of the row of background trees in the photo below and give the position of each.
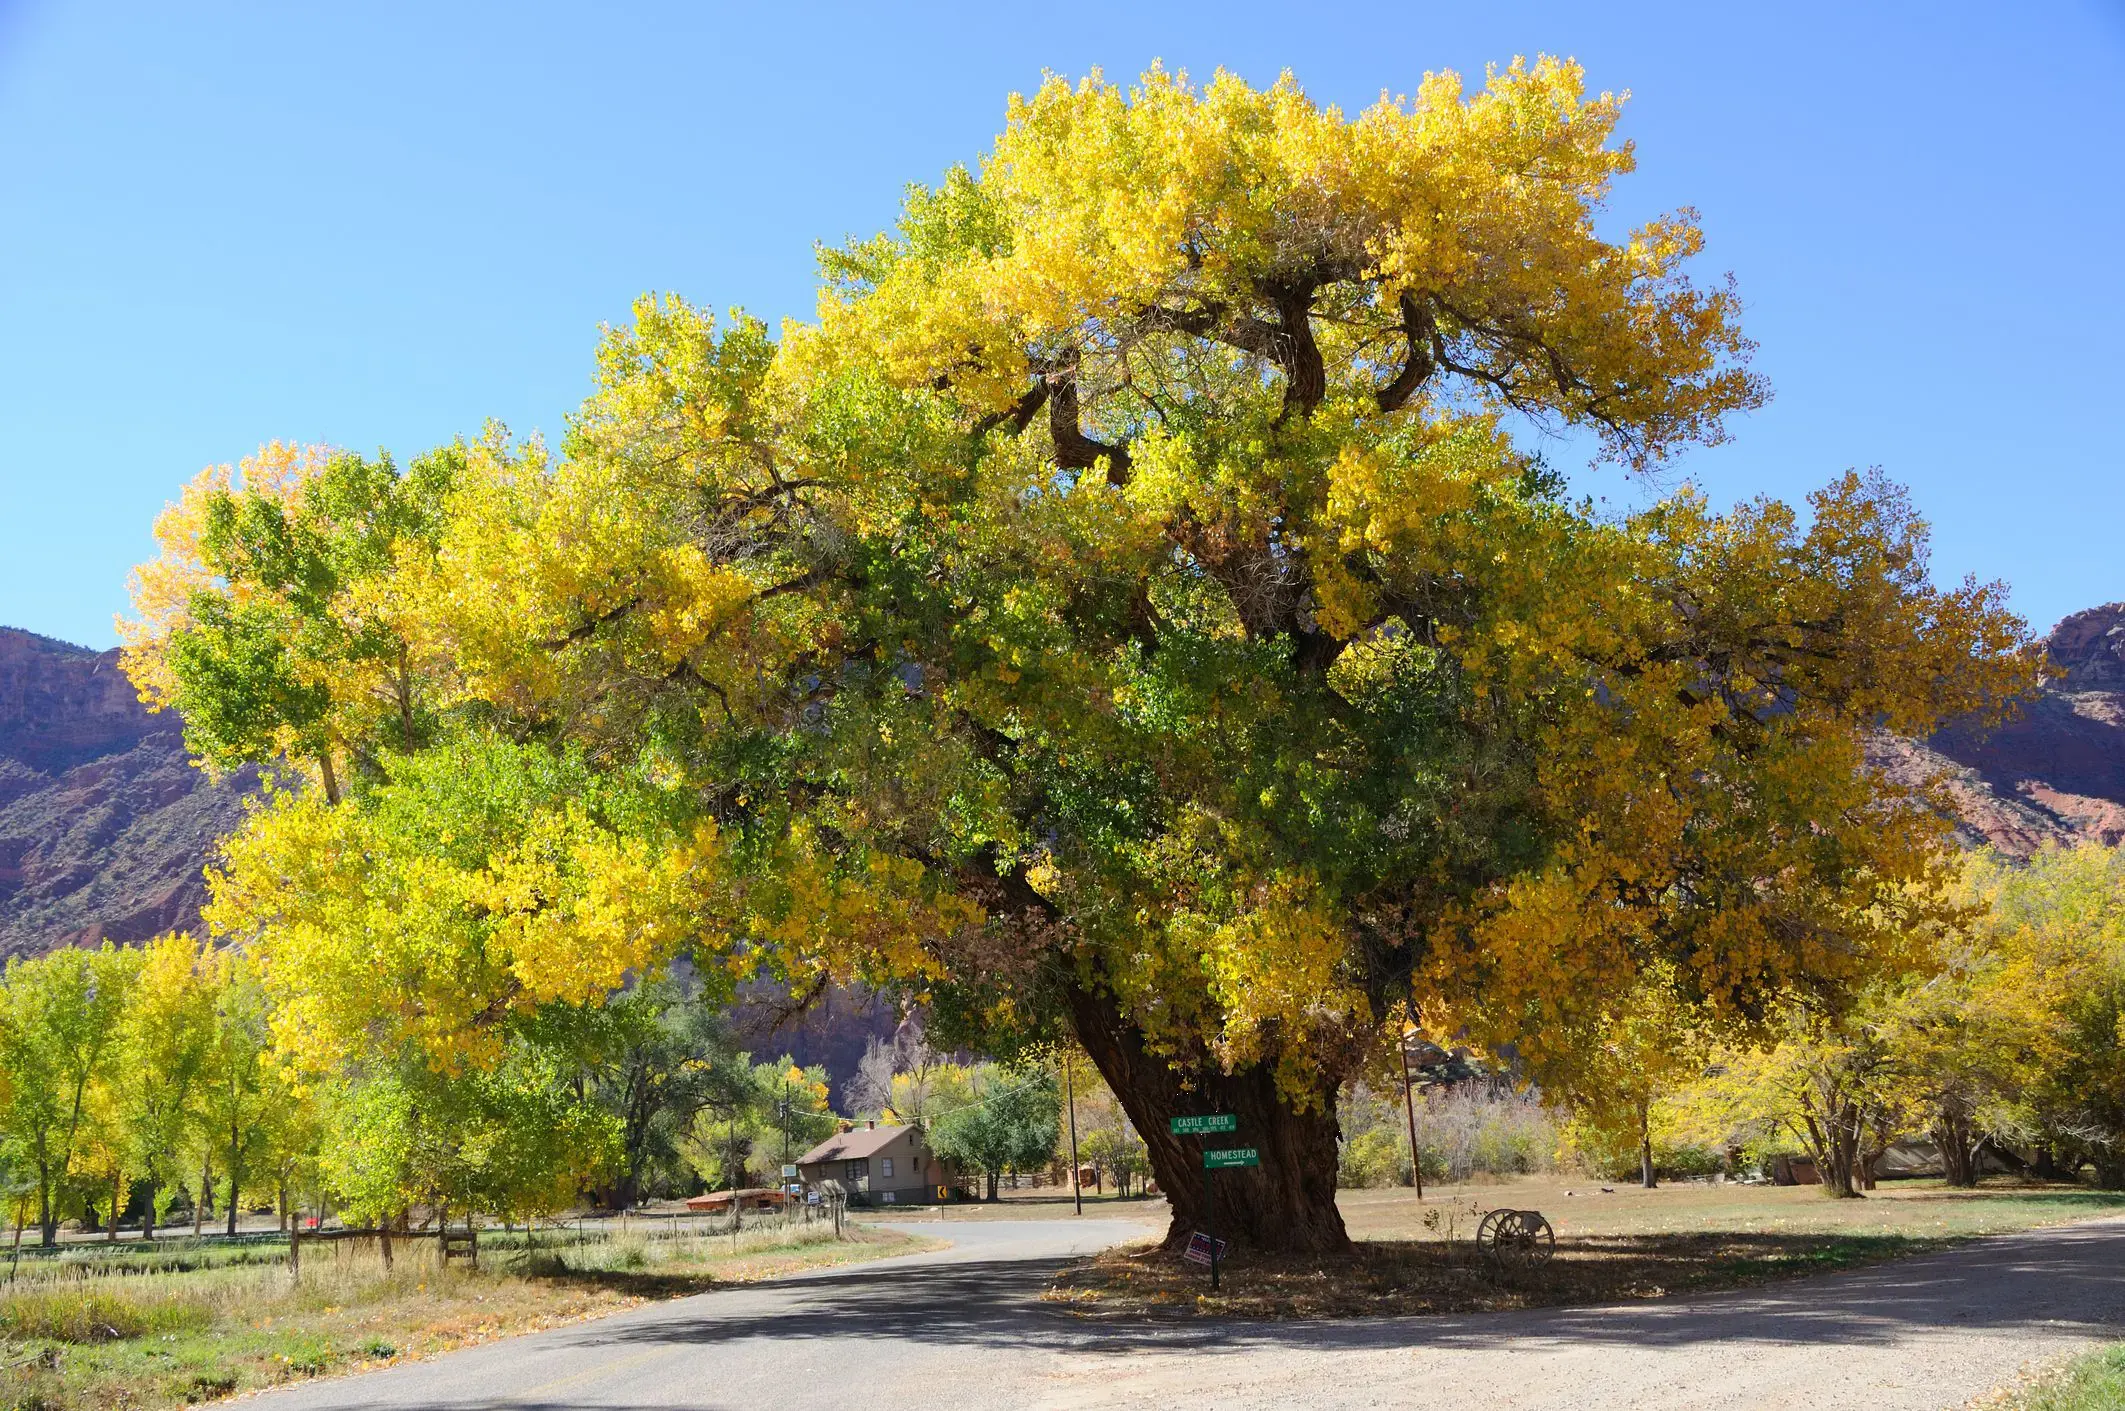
(135, 1082)
(1999, 1046)
(138, 1082)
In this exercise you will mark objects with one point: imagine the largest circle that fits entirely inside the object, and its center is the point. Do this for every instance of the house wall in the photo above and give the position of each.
(916, 1174)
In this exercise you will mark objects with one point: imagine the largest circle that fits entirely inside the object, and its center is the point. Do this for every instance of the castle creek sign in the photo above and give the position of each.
(1207, 1122)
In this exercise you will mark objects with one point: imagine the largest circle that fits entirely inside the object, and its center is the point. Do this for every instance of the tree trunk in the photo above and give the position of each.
(1959, 1148)
(1285, 1204)
(117, 1189)
(1645, 1149)
(1833, 1140)
(47, 1220)
(992, 1183)
(206, 1189)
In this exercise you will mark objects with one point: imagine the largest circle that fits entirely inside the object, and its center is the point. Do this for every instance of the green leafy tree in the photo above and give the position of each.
(240, 1092)
(659, 1055)
(766, 1116)
(255, 624)
(167, 1038)
(59, 1023)
(1007, 1121)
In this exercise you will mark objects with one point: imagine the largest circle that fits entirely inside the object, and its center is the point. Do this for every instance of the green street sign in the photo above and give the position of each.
(1206, 1122)
(1231, 1156)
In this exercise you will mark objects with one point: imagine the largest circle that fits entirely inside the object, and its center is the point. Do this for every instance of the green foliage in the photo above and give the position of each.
(1007, 1121)
(59, 1026)
(763, 1116)
(2094, 1381)
(657, 1056)
(513, 1140)
(265, 646)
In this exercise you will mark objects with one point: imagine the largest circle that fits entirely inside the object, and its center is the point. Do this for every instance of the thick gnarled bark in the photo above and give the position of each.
(1287, 1204)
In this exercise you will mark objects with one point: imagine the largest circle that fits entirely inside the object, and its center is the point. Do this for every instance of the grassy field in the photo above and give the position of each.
(119, 1331)
(1614, 1242)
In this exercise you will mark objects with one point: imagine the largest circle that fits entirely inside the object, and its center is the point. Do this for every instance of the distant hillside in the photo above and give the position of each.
(2057, 774)
(104, 824)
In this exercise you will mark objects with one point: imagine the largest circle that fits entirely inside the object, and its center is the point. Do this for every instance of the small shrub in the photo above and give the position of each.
(308, 1360)
(1379, 1157)
(630, 1254)
(377, 1347)
(546, 1264)
(210, 1386)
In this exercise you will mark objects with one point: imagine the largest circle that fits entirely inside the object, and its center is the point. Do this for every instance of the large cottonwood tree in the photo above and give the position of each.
(1129, 608)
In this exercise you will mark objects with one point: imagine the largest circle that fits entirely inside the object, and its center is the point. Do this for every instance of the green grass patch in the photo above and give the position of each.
(2095, 1382)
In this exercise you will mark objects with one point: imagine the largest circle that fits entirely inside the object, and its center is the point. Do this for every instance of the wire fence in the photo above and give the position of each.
(514, 1241)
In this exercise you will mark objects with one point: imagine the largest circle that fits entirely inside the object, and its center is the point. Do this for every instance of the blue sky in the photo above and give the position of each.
(382, 224)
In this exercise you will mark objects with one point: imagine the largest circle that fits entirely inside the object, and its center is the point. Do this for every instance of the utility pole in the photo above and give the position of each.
(1077, 1189)
(736, 1205)
(1409, 1108)
(785, 1106)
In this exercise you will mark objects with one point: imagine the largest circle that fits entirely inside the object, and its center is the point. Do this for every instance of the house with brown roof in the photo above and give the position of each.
(879, 1164)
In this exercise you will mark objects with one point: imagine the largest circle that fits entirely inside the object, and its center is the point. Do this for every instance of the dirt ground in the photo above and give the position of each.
(1577, 1206)
(1613, 1243)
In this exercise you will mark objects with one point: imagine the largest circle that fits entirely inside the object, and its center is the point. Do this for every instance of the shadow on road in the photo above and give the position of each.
(2066, 1278)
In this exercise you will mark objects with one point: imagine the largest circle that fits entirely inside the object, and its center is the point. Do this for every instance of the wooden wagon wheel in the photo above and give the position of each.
(1522, 1239)
(1487, 1230)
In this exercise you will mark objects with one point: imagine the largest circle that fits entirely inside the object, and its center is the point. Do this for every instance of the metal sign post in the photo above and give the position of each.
(1210, 1218)
(1208, 1124)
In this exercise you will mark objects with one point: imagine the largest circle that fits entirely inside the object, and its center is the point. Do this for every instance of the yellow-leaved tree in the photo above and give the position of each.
(1128, 610)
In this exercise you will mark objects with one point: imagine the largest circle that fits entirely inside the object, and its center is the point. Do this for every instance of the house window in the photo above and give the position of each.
(888, 1168)
(857, 1170)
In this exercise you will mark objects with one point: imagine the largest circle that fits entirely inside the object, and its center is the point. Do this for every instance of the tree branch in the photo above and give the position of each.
(1422, 331)
(1074, 450)
(589, 628)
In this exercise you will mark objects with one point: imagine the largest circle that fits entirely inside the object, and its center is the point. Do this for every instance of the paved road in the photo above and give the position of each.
(961, 1328)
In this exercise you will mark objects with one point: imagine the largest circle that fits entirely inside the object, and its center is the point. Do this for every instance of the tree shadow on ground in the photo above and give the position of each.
(2061, 1277)
(2068, 1281)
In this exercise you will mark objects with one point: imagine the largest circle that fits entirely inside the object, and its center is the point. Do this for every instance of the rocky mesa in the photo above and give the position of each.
(2056, 774)
(104, 823)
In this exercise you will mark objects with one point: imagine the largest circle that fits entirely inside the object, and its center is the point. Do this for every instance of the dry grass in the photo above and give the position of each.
(160, 1339)
(1613, 1244)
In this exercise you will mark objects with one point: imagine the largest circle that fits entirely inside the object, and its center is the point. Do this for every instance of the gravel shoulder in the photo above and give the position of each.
(964, 1327)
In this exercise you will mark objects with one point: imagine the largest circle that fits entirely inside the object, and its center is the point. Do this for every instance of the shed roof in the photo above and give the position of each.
(851, 1145)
